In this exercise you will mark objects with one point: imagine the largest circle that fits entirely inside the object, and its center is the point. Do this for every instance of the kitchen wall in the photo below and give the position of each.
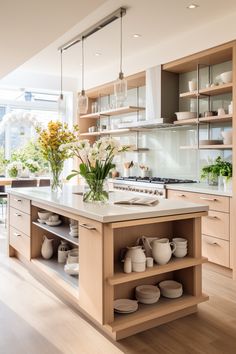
(165, 156)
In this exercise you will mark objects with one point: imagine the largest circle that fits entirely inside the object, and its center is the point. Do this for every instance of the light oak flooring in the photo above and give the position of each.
(33, 320)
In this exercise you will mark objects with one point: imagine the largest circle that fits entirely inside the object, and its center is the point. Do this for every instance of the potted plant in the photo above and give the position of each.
(218, 169)
(226, 171)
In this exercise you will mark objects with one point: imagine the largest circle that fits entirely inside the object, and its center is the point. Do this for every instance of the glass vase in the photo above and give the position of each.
(56, 177)
(212, 179)
(96, 191)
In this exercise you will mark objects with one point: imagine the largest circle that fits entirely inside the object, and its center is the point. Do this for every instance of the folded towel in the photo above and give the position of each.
(139, 201)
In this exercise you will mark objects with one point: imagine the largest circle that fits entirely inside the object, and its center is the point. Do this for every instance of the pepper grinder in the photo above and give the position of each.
(127, 265)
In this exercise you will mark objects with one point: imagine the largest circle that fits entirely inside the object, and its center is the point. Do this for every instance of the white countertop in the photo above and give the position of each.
(68, 201)
(199, 188)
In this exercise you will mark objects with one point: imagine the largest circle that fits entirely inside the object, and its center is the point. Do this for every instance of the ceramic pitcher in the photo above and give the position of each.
(136, 254)
(47, 248)
(162, 250)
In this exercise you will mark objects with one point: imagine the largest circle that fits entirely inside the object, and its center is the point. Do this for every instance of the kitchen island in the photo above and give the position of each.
(105, 230)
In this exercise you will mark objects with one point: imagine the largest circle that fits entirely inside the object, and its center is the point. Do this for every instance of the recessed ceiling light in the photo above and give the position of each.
(97, 54)
(136, 35)
(192, 6)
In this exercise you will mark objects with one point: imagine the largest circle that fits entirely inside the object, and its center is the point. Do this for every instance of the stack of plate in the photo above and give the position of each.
(147, 294)
(171, 289)
(125, 306)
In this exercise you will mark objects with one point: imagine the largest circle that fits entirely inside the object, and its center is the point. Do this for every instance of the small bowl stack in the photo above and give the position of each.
(147, 294)
(171, 289)
(74, 228)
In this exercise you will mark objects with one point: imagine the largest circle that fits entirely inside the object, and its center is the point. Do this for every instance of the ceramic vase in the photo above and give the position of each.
(47, 248)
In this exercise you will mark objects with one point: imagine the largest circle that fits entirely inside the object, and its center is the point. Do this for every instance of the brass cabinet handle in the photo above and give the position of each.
(17, 214)
(18, 200)
(16, 234)
(212, 243)
(212, 217)
(181, 195)
(88, 227)
(209, 199)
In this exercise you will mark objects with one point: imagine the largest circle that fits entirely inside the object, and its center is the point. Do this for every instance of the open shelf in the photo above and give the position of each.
(56, 270)
(62, 231)
(209, 91)
(175, 263)
(149, 312)
(113, 112)
(203, 120)
(207, 147)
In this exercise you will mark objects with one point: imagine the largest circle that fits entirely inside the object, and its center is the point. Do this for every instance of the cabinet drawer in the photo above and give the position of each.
(20, 242)
(215, 202)
(20, 221)
(20, 203)
(216, 224)
(216, 250)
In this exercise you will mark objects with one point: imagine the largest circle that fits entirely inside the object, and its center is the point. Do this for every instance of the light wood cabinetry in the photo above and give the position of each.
(101, 277)
(217, 238)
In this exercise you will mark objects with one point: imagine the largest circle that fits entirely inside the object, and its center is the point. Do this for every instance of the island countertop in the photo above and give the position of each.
(69, 201)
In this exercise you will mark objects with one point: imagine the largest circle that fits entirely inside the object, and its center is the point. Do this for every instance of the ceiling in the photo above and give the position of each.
(157, 21)
(27, 27)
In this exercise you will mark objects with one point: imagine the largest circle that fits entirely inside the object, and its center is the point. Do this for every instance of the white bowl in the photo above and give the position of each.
(185, 115)
(152, 300)
(147, 291)
(171, 289)
(44, 214)
(180, 252)
(226, 77)
(72, 268)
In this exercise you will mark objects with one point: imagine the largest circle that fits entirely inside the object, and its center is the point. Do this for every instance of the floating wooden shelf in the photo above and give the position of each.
(113, 112)
(149, 312)
(212, 119)
(210, 91)
(61, 230)
(56, 270)
(176, 263)
(207, 147)
(114, 131)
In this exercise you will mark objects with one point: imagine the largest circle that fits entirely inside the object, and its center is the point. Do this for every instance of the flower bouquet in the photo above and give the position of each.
(50, 140)
(96, 162)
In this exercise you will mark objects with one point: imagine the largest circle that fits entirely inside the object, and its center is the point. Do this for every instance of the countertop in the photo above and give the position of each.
(69, 201)
(199, 188)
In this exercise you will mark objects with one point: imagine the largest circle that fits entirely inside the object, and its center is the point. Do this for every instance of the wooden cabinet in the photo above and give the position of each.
(215, 226)
(20, 242)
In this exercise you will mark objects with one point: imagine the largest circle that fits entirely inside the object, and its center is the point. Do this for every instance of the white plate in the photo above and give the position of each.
(42, 221)
(53, 223)
(125, 305)
(72, 268)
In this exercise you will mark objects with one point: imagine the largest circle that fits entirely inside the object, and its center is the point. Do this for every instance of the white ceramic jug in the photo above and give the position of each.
(47, 248)
(161, 250)
(136, 254)
(227, 136)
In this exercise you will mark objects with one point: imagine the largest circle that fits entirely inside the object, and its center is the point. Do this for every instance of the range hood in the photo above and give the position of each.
(162, 99)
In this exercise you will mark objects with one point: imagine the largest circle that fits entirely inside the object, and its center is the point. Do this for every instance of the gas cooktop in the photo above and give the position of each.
(159, 180)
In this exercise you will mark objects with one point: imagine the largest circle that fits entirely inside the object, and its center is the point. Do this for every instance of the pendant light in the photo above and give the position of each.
(120, 86)
(83, 98)
(61, 99)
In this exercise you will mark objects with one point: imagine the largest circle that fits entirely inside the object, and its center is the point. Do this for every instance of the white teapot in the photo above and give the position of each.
(161, 250)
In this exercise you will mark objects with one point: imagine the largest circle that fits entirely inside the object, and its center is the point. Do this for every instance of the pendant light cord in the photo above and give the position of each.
(61, 94)
(121, 40)
(82, 64)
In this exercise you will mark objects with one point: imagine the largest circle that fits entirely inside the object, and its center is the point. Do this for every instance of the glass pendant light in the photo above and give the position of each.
(61, 99)
(120, 86)
(83, 98)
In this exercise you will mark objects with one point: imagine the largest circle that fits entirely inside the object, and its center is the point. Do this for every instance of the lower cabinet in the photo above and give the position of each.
(215, 226)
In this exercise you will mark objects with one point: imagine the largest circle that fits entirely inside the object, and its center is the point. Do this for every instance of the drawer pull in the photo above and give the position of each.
(89, 227)
(209, 199)
(212, 243)
(16, 234)
(181, 195)
(212, 217)
(18, 200)
(17, 214)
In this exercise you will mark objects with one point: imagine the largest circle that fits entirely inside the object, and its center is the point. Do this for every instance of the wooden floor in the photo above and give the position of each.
(33, 320)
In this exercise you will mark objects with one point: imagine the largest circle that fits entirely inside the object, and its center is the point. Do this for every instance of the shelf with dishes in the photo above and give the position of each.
(113, 112)
(208, 91)
(120, 277)
(203, 120)
(147, 313)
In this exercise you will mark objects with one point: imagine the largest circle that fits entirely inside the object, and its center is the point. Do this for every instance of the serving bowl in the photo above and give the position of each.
(185, 115)
(226, 77)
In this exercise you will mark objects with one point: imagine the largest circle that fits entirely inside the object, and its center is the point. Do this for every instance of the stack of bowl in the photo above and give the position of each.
(181, 247)
(171, 289)
(147, 294)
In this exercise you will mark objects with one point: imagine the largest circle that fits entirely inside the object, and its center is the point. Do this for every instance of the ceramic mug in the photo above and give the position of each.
(73, 256)
(180, 242)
